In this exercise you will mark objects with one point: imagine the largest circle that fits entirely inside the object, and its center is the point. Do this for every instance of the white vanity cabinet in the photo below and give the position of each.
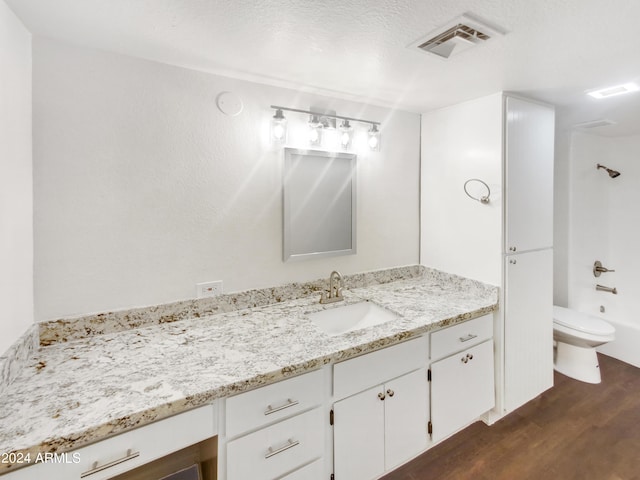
(126, 451)
(372, 410)
(277, 431)
(382, 420)
(462, 375)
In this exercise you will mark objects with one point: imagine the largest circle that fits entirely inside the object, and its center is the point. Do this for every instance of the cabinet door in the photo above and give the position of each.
(529, 175)
(528, 329)
(358, 436)
(462, 389)
(406, 417)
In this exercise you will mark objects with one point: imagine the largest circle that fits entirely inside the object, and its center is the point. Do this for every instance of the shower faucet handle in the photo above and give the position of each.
(598, 269)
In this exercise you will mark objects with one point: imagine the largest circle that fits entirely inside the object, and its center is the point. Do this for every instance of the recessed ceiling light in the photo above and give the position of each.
(613, 91)
(604, 122)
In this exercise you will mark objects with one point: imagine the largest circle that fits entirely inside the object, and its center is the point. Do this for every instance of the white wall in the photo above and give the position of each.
(561, 217)
(605, 226)
(459, 143)
(16, 192)
(143, 187)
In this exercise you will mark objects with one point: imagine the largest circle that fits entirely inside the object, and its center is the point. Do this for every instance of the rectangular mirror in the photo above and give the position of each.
(319, 204)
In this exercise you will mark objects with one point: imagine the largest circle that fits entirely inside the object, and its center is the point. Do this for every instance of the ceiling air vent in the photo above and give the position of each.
(458, 35)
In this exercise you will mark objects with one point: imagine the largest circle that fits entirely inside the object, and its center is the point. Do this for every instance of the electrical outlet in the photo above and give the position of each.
(209, 289)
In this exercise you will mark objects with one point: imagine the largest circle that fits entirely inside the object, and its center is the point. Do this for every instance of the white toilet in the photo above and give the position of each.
(577, 335)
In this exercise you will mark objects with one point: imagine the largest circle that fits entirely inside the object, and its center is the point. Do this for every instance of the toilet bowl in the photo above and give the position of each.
(577, 335)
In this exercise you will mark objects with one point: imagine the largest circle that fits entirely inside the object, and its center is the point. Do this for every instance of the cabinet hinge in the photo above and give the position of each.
(429, 428)
(429, 375)
(331, 420)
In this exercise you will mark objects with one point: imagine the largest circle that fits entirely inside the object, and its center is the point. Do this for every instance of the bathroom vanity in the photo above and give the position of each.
(264, 390)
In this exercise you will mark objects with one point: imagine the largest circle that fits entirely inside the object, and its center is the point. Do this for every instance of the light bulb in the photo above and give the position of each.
(278, 127)
(315, 132)
(346, 134)
(374, 138)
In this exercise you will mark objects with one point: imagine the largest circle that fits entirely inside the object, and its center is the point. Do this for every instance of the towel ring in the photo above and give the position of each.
(485, 198)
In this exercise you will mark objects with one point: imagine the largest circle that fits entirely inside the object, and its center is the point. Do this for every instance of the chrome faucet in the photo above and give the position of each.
(335, 289)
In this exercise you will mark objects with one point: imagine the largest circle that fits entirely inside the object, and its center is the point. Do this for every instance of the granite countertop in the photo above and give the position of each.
(75, 393)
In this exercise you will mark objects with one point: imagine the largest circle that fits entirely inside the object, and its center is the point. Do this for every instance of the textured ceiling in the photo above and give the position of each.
(555, 49)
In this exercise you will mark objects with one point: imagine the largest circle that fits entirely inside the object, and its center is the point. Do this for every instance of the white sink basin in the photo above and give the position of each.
(339, 320)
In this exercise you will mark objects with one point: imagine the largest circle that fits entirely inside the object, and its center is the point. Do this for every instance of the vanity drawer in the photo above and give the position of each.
(275, 450)
(363, 372)
(254, 409)
(126, 451)
(313, 471)
(461, 336)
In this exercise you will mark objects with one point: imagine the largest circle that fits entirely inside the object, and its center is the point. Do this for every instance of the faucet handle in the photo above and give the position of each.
(598, 269)
(323, 297)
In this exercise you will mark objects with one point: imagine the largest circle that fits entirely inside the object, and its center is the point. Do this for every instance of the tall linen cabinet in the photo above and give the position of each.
(507, 143)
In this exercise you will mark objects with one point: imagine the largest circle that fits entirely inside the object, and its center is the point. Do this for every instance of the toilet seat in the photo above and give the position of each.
(581, 322)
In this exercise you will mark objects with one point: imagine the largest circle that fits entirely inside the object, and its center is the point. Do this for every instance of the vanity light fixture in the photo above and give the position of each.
(374, 138)
(615, 90)
(278, 127)
(317, 122)
(346, 134)
(315, 130)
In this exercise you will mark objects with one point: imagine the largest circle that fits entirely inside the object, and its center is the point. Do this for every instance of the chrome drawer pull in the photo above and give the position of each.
(468, 337)
(290, 444)
(95, 468)
(290, 403)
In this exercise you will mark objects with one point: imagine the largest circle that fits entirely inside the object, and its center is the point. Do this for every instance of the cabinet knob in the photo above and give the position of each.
(390, 392)
(512, 249)
(464, 359)
(381, 395)
(469, 356)
(513, 262)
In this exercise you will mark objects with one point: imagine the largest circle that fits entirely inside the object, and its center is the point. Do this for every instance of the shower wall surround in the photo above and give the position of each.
(605, 225)
(143, 188)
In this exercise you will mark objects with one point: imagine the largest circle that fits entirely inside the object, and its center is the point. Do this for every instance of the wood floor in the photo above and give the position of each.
(573, 431)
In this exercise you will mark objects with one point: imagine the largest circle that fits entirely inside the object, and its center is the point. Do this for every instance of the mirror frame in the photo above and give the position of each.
(289, 256)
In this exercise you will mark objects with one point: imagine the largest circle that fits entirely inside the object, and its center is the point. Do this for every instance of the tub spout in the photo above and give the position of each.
(602, 288)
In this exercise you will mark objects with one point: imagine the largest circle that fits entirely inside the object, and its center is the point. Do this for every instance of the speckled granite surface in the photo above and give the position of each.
(68, 329)
(78, 392)
(14, 359)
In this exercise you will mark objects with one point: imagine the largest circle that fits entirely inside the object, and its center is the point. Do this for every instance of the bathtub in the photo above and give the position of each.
(626, 346)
